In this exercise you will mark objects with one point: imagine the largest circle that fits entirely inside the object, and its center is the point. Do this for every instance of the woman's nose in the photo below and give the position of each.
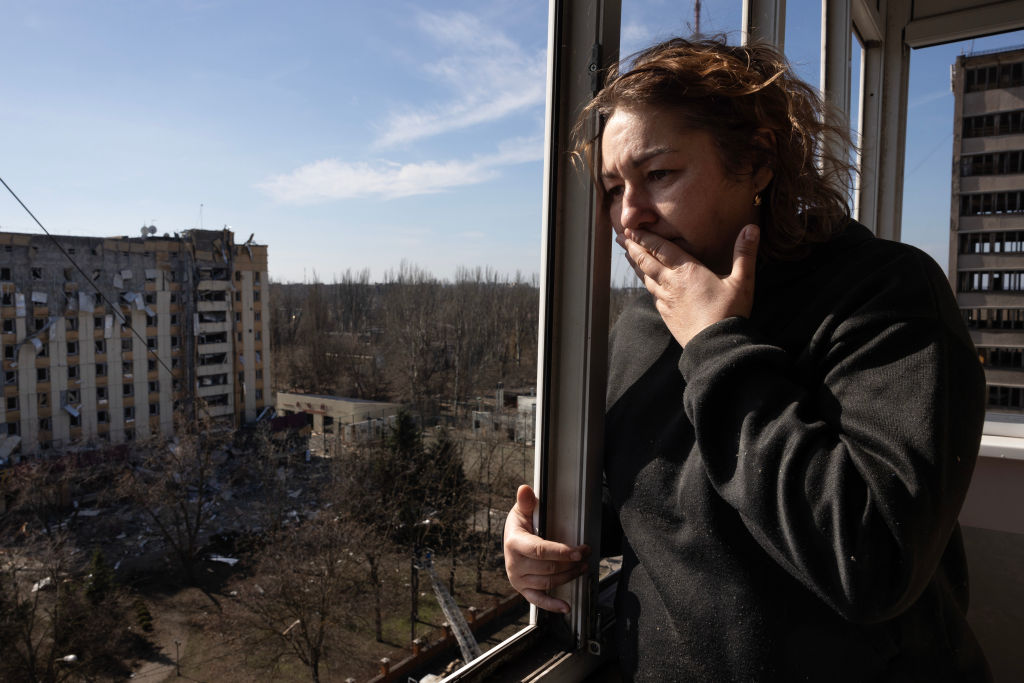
(636, 210)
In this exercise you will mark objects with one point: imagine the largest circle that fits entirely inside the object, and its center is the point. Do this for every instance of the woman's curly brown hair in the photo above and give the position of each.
(736, 93)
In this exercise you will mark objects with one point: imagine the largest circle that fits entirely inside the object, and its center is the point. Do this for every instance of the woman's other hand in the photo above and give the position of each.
(535, 566)
(688, 295)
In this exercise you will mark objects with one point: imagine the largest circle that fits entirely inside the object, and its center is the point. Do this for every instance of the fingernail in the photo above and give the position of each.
(576, 556)
(750, 233)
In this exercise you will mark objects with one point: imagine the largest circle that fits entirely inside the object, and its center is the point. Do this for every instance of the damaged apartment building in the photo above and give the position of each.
(104, 338)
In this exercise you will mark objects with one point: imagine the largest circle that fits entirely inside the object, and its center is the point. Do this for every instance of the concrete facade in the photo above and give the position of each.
(986, 261)
(104, 338)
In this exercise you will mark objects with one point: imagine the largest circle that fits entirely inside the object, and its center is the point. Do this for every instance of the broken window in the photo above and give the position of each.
(101, 369)
(101, 346)
(37, 273)
(213, 338)
(43, 375)
(126, 368)
(10, 377)
(43, 399)
(73, 372)
(212, 295)
(154, 387)
(40, 323)
(154, 408)
(213, 380)
(5, 273)
(8, 325)
(127, 389)
(259, 394)
(9, 351)
(44, 424)
(101, 393)
(72, 348)
(213, 358)
(12, 403)
(101, 417)
(126, 344)
(12, 429)
(129, 416)
(212, 316)
(71, 323)
(151, 343)
(151, 365)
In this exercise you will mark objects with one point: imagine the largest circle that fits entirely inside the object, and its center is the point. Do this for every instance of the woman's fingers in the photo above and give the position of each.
(535, 565)
(689, 296)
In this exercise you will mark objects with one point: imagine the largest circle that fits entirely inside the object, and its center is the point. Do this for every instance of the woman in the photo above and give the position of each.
(794, 412)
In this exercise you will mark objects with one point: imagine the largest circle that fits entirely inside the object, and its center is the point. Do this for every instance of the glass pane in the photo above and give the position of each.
(927, 174)
(386, 161)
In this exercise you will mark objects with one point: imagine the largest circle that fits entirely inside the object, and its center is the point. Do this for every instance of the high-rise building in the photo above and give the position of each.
(986, 260)
(104, 338)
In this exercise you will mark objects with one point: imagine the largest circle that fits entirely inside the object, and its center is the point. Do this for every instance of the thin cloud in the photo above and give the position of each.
(636, 36)
(333, 179)
(490, 76)
(928, 98)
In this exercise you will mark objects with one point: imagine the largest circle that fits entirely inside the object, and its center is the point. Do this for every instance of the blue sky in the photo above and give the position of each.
(345, 135)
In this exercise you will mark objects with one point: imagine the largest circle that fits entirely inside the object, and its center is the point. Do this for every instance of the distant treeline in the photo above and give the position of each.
(412, 338)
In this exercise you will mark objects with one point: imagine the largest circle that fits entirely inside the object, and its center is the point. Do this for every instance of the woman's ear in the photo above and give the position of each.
(763, 142)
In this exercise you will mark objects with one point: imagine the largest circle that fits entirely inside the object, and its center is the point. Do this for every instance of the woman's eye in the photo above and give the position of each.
(614, 191)
(657, 175)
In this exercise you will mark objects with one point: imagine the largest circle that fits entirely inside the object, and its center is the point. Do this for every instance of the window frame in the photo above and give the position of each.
(572, 354)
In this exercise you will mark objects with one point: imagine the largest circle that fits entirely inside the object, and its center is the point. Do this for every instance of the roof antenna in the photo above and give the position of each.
(200, 216)
(696, 20)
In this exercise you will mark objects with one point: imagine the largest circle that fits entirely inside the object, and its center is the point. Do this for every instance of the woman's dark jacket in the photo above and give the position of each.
(788, 486)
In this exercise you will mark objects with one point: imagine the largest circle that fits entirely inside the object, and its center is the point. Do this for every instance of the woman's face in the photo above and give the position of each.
(670, 180)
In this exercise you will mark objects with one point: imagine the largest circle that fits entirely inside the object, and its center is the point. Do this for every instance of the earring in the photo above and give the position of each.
(757, 199)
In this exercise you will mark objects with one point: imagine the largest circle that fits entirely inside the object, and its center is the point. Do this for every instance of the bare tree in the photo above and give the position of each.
(407, 493)
(415, 354)
(172, 483)
(309, 589)
(56, 625)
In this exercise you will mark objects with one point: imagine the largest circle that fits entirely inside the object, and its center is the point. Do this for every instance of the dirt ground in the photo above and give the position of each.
(205, 634)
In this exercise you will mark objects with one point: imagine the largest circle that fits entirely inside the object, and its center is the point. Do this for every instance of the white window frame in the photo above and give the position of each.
(573, 341)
